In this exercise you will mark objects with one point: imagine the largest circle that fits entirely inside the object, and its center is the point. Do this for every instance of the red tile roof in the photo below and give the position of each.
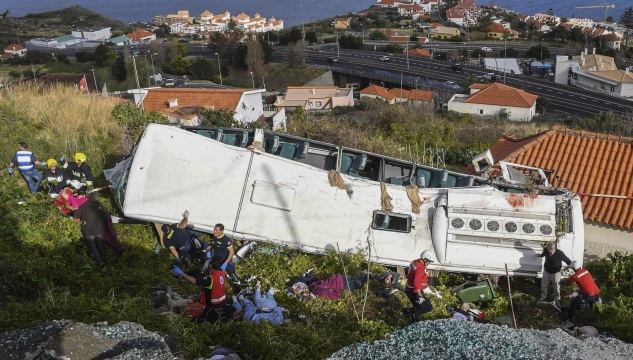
(502, 95)
(378, 90)
(584, 162)
(158, 99)
(139, 35)
(420, 52)
(14, 47)
(497, 28)
(421, 95)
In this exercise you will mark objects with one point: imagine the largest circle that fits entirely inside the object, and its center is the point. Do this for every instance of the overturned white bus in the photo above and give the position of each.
(314, 196)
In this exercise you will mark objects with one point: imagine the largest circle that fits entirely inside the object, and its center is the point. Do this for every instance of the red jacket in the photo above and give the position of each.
(417, 278)
(218, 291)
(586, 284)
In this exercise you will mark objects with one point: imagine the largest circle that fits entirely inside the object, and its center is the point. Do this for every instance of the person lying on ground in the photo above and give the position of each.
(261, 308)
(467, 312)
(308, 286)
(390, 282)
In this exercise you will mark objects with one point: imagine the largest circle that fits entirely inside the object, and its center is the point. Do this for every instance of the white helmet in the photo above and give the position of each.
(75, 184)
(427, 255)
(575, 264)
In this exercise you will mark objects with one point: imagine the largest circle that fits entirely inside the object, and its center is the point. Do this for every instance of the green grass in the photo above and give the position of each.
(46, 275)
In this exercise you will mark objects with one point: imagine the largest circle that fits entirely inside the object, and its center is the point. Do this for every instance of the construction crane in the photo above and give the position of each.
(605, 6)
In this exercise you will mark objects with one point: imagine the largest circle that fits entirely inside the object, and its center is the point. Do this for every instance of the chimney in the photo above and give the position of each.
(586, 51)
(172, 103)
(583, 62)
(594, 51)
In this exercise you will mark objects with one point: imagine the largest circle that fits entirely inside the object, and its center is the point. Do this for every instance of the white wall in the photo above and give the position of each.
(456, 103)
(603, 239)
(250, 107)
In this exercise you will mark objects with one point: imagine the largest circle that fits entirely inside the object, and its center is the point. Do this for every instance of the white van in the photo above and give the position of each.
(486, 49)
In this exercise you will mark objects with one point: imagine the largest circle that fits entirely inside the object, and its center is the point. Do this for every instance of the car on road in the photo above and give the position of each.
(332, 59)
(495, 78)
(487, 76)
(452, 85)
(170, 83)
(384, 58)
(456, 66)
(486, 49)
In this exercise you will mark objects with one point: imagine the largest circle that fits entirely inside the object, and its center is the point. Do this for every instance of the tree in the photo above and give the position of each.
(539, 52)
(255, 59)
(394, 48)
(377, 35)
(626, 20)
(118, 69)
(295, 53)
(180, 66)
(351, 42)
(104, 56)
(218, 118)
(311, 37)
(541, 104)
(202, 69)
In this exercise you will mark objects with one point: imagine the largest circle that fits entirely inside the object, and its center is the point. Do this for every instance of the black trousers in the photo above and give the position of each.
(94, 247)
(577, 302)
(419, 309)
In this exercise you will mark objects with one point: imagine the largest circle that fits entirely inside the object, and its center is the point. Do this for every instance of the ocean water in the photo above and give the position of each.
(293, 12)
(563, 8)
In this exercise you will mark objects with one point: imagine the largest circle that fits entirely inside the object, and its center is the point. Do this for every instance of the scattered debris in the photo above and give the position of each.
(447, 339)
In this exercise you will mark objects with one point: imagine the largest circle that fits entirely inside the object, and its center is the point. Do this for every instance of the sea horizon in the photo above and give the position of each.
(293, 12)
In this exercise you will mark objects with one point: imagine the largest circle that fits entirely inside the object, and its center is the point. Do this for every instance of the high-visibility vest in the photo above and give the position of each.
(25, 160)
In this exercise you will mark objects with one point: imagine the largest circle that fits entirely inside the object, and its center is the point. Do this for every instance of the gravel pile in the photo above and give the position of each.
(450, 339)
(65, 339)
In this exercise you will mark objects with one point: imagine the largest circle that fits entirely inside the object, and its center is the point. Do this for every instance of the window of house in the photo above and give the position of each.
(481, 111)
(391, 221)
(318, 104)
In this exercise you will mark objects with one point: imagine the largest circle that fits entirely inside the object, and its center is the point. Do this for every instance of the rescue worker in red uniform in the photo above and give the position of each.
(418, 286)
(587, 293)
(213, 283)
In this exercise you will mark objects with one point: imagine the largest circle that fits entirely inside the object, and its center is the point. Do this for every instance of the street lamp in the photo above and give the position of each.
(362, 28)
(95, 79)
(219, 68)
(253, 80)
(303, 26)
(407, 32)
(151, 57)
(505, 55)
(138, 85)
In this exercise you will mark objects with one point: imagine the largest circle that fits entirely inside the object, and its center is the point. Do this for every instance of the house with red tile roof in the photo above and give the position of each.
(141, 36)
(317, 98)
(595, 166)
(397, 95)
(492, 99)
(183, 105)
(342, 23)
(497, 31)
(423, 53)
(15, 50)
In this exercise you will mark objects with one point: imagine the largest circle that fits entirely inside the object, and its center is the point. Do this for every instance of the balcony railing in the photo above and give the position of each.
(593, 88)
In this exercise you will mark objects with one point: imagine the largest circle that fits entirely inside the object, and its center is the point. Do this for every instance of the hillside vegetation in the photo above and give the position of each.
(55, 23)
(45, 273)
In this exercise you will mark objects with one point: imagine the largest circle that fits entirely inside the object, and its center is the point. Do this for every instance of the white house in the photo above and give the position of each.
(15, 50)
(93, 35)
(490, 100)
(597, 73)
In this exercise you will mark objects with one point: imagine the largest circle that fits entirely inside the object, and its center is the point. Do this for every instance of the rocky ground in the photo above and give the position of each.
(450, 339)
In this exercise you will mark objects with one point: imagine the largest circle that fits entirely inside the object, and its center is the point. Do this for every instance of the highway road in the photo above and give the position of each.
(562, 98)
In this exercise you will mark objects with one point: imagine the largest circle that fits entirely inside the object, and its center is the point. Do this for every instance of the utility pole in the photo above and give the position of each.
(138, 85)
(303, 26)
(253, 80)
(95, 79)
(219, 68)
(151, 56)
